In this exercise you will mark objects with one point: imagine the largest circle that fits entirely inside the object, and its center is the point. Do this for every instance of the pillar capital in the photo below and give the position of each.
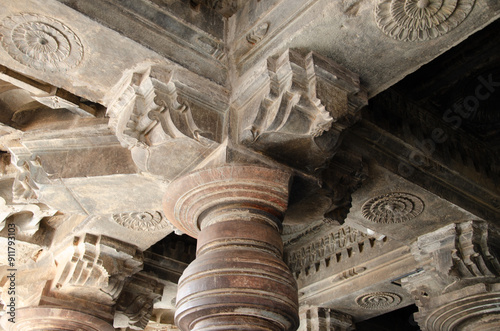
(209, 196)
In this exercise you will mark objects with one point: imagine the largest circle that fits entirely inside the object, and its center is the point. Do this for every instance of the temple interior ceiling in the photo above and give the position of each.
(343, 154)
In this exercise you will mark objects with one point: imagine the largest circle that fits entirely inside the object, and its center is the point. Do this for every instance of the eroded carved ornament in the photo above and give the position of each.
(393, 208)
(420, 20)
(40, 42)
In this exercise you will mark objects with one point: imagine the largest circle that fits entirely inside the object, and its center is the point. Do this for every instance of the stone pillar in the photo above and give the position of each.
(238, 280)
(459, 286)
(54, 318)
(324, 319)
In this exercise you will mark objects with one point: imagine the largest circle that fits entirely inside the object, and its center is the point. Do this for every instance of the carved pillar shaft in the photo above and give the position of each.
(238, 280)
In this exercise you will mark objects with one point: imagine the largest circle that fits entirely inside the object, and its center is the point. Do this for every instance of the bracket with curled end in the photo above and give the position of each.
(176, 120)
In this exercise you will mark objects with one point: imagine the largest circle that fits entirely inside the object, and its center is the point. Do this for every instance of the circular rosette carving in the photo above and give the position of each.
(141, 221)
(393, 208)
(378, 300)
(419, 20)
(40, 42)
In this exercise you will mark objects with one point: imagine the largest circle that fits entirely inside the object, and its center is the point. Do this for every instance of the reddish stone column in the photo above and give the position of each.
(54, 318)
(238, 280)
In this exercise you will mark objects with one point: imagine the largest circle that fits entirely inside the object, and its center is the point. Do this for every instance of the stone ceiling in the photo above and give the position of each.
(384, 112)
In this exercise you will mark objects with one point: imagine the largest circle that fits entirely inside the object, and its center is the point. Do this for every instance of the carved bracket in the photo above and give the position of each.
(26, 217)
(311, 100)
(458, 287)
(453, 257)
(97, 262)
(143, 105)
(135, 305)
(152, 120)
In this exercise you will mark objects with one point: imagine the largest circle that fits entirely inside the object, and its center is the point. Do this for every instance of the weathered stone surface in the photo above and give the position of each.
(106, 106)
(457, 287)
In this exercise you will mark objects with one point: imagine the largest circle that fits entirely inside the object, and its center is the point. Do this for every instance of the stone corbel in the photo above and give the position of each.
(128, 114)
(134, 307)
(291, 106)
(152, 120)
(30, 173)
(26, 217)
(311, 101)
(98, 263)
(460, 278)
(22, 205)
(175, 118)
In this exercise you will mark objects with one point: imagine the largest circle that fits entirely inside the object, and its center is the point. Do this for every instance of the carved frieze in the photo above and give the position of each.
(420, 20)
(323, 248)
(40, 42)
(393, 208)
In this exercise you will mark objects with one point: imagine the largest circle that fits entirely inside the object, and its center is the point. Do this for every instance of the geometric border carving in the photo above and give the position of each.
(142, 221)
(393, 208)
(420, 20)
(378, 300)
(40, 42)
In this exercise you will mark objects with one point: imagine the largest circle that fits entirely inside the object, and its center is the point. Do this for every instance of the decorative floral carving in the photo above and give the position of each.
(378, 300)
(393, 208)
(419, 20)
(40, 42)
(141, 221)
